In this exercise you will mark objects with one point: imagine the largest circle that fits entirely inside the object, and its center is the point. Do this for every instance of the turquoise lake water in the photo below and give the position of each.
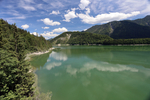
(96, 73)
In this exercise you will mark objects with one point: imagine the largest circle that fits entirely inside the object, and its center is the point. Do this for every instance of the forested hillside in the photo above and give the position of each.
(32, 43)
(126, 29)
(85, 38)
(144, 21)
(15, 79)
(80, 38)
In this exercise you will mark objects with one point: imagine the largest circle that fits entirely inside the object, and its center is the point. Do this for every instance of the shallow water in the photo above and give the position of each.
(97, 73)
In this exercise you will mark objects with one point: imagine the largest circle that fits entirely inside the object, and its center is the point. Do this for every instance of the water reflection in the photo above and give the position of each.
(71, 70)
(85, 81)
(57, 74)
(40, 60)
(106, 67)
(58, 56)
(51, 65)
(124, 55)
(48, 60)
(97, 73)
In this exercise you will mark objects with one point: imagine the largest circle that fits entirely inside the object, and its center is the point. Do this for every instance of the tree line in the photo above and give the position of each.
(80, 38)
(87, 38)
(127, 41)
(16, 80)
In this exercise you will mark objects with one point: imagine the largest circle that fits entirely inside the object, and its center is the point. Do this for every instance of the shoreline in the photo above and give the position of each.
(28, 56)
(101, 44)
(37, 94)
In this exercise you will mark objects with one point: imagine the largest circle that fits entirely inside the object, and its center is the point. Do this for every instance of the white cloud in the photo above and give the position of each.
(18, 17)
(136, 5)
(70, 15)
(40, 6)
(14, 15)
(48, 34)
(73, 9)
(85, 29)
(83, 4)
(25, 26)
(55, 12)
(104, 18)
(124, 6)
(56, 4)
(26, 4)
(87, 11)
(45, 27)
(58, 30)
(29, 8)
(47, 21)
(29, 1)
(34, 33)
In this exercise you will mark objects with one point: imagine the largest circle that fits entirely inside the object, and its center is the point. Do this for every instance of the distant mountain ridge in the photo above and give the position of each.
(144, 21)
(126, 29)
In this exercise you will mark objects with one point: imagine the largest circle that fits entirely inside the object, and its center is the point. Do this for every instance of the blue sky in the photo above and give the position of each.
(50, 18)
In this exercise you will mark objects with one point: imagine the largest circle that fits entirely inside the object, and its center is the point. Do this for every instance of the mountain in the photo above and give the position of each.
(79, 38)
(126, 29)
(144, 21)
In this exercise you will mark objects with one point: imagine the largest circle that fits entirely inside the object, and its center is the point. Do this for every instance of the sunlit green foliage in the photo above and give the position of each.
(16, 79)
(80, 38)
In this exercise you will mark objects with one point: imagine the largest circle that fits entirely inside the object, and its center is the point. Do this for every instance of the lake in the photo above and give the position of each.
(95, 73)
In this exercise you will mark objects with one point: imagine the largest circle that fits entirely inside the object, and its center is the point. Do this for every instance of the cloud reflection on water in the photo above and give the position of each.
(103, 66)
(71, 70)
(52, 65)
(59, 56)
(48, 60)
(106, 67)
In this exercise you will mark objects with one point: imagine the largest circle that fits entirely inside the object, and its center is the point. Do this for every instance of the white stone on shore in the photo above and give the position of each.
(37, 53)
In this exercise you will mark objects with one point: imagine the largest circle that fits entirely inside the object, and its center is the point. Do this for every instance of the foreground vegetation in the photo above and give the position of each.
(16, 78)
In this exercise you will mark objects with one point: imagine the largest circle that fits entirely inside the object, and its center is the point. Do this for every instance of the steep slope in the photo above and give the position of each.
(79, 38)
(144, 21)
(126, 29)
(105, 29)
(61, 39)
(32, 43)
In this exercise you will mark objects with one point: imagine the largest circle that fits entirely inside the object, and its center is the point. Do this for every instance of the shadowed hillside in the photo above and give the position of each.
(126, 29)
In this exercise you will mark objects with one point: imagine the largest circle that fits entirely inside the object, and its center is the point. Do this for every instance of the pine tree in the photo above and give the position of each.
(16, 81)
(25, 79)
(8, 62)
